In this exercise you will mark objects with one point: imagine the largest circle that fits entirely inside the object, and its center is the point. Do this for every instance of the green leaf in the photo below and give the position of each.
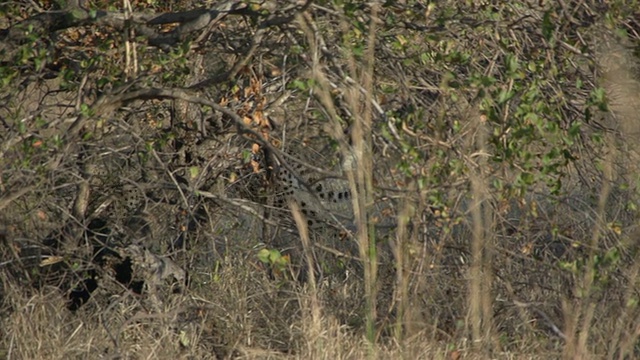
(299, 84)
(194, 171)
(264, 256)
(512, 63)
(504, 96)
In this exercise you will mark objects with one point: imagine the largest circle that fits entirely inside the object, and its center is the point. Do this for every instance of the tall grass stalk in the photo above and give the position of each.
(357, 153)
(480, 274)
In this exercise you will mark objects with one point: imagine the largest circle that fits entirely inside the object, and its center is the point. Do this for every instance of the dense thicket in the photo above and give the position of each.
(488, 150)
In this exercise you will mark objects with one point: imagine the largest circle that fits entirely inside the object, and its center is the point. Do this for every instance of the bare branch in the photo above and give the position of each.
(47, 23)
